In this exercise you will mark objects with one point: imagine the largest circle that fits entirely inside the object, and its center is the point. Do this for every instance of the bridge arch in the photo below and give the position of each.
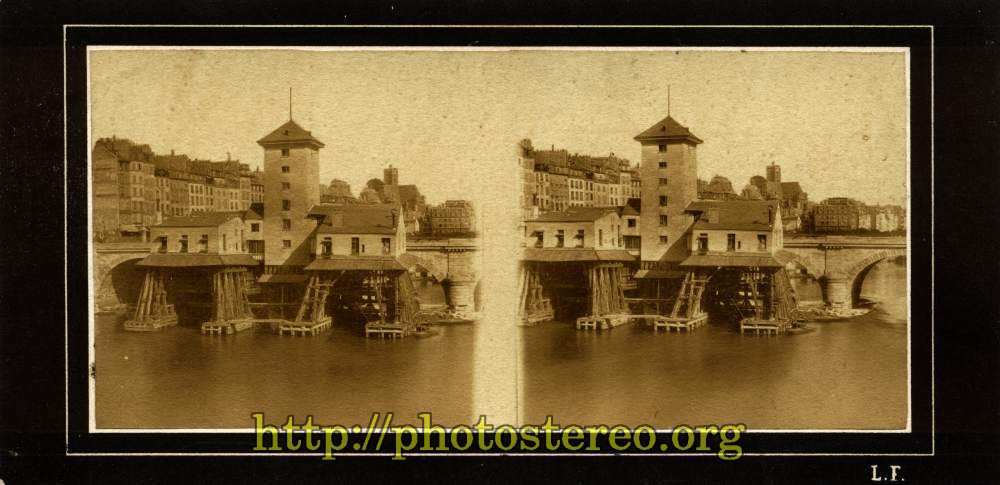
(117, 281)
(414, 262)
(857, 272)
(449, 268)
(786, 257)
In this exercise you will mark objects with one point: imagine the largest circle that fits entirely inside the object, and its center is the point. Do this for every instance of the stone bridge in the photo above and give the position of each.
(115, 278)
(839, 263)
(451, 261)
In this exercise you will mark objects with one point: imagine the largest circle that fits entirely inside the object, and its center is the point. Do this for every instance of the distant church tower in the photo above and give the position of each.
(669, 173)
(390, 176)
(291, 188)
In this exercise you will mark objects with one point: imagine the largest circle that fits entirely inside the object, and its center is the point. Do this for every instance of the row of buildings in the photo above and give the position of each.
(842, 214)
(555, 180)
(799, 214)
(135, 188)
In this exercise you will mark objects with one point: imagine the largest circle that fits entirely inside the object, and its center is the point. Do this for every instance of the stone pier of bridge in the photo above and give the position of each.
(453, 262)
(839, 263)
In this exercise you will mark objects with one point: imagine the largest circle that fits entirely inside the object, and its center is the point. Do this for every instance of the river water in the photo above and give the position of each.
(178, 378)
(843, 375)
(848, 374)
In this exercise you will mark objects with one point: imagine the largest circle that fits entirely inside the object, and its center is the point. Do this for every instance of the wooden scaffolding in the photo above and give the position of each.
(152, 311)
(230, 305)
(534, 305)
(688, 302)
(391, 306)
(607, 297)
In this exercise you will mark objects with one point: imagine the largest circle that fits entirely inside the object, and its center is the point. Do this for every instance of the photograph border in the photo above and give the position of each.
(83, 441)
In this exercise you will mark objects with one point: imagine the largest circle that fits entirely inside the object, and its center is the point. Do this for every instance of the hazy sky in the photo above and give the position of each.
(834, 121)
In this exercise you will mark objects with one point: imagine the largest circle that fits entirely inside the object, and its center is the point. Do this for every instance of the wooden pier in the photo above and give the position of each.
(152, 323)
(226, 327)
(386, 330)
(152, 311)
(601, 322)
(307, 328)
(668, 323)
(766, 327)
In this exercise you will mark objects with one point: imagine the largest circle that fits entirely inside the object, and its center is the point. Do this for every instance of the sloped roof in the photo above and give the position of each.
(568, 255)
(201, 219)
(627, 210)
(288, 133)
(575, 214)
(668, 129)
(746, 215)
(354, 218)
(355, 263)
(553, 157)
(255, 212)
(729, 259)
(193, 260)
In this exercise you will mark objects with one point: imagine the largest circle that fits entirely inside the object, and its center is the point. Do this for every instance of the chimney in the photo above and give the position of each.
(171, 152)
(228, 157)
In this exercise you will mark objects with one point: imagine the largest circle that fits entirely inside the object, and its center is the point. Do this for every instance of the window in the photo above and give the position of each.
(631, 222)
(286, 185)
(663, 220)
(663, 181)
(663, 239)
(223, 242)
(703, 242)
(284, 152)
(386, 245)
(762, 242)
(662, 147)
(539, 238)
(730, 242)
(355, 246)
(327, 246)
(163, 244)
(285, 169)
(600, 237)
(560, 238)
(663, 200)
(662, 164)
(286, 224)
(286, 204)
(203, 244)
(254, 227)
(286, 243)
(579, 238)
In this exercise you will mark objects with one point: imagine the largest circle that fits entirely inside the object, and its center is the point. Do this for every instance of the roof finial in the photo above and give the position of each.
(668, 100)
(289, 103)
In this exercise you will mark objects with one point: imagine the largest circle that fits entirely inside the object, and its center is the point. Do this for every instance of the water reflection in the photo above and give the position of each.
(179, 378)
(844, 375)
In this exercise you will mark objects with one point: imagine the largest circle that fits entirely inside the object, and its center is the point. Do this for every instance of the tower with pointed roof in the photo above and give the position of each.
(669, 173)
(291, 188)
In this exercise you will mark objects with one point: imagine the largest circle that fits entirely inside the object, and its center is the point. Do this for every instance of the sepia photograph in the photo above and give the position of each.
(716, 234)
(284, 232)
(597, 248)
